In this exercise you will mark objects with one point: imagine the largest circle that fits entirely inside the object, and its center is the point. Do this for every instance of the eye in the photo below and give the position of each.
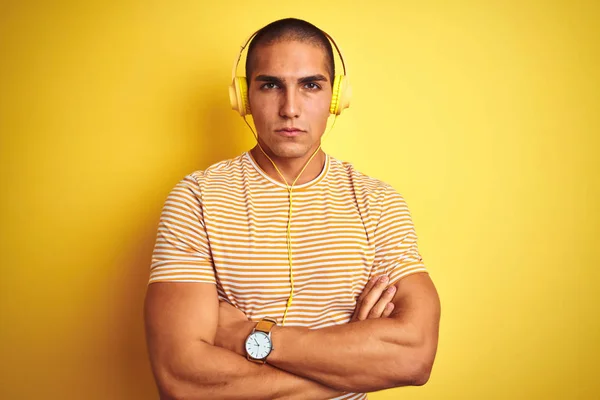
(269, 85)
(312, 86)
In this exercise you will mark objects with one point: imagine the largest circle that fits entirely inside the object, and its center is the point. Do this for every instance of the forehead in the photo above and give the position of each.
(290, 59)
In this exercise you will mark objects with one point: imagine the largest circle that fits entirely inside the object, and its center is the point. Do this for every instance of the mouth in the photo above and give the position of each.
(289, 132)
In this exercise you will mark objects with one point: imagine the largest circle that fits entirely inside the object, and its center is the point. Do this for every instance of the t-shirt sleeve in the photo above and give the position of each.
(182, 252)
(396, 252)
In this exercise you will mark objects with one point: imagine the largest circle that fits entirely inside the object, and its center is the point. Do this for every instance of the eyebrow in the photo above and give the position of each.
(311, 78)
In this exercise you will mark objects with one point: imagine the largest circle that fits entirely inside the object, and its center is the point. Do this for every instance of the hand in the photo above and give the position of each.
(375, 300)
(232, 329)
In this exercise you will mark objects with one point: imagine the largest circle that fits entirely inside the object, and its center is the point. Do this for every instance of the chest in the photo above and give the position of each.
(331, 252)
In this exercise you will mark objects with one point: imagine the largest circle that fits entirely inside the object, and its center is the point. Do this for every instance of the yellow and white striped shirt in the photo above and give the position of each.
(227, 226)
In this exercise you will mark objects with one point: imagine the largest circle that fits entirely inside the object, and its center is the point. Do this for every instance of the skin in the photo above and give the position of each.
(290, 87)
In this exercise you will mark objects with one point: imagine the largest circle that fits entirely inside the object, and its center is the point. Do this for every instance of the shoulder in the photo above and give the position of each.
(222, 171)
(370, 187)
(191, 187)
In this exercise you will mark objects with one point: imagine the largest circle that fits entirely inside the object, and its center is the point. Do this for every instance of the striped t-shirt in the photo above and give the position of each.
(227, 225)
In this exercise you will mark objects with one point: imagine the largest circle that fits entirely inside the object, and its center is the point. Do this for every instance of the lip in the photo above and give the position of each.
(289, 132)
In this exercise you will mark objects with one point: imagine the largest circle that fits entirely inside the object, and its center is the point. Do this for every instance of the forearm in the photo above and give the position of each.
(205, 371)
(363, 356)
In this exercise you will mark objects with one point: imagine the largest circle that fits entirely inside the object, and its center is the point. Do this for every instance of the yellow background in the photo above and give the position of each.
(485, 115)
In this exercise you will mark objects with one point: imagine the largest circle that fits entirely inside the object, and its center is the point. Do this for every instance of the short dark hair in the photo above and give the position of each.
(290, 29)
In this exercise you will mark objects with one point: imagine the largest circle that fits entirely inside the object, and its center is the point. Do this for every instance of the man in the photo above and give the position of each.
(286, 231)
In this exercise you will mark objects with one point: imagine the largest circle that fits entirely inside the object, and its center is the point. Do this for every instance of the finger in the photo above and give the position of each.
(385, 298)
(371, 298)
(364, 293)
(387, 311)
(368, 287)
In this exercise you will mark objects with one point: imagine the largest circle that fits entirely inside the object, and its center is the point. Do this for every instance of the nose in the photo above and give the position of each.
(290, 105)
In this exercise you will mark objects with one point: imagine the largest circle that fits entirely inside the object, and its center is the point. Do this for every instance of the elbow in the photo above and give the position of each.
(415, 374)
(415, 371)
(169, 393)
(179, 376)
(177, 390)
(416, 365)
(420, 375)
(173, 386)
(172, 389)
(411, 372)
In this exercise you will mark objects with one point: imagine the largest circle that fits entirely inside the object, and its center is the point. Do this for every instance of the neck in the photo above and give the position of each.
(290, 167)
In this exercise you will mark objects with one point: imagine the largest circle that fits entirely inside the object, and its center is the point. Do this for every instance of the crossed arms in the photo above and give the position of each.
(196, 345)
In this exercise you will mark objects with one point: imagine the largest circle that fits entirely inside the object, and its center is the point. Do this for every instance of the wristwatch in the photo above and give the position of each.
(258, 344)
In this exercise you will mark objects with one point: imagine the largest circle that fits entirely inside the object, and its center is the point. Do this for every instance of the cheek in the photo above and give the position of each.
(258, 111)
(320, 110)
(262, 107)
(316, 103)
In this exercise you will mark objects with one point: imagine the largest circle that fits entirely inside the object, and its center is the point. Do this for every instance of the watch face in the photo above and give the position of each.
(258, 345)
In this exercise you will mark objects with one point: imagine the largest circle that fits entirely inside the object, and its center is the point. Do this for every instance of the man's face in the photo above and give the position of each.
(289, 95)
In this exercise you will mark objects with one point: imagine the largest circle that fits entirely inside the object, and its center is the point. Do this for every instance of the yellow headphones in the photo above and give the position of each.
(340, 99)
(238, 90)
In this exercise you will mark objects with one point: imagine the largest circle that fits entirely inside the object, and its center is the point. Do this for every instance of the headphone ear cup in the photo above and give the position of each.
(238, 95)
(340, 96)
(335, 95)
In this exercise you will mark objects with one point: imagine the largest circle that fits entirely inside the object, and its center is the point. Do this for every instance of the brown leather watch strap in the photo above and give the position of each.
(266, 324)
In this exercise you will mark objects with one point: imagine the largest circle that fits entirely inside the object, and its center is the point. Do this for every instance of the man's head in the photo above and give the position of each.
(290, 73)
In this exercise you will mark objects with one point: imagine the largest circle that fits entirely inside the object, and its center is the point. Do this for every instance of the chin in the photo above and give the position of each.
(290, 150)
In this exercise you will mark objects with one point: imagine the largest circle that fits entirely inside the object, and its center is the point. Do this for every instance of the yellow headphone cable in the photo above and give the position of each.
(290, 189)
